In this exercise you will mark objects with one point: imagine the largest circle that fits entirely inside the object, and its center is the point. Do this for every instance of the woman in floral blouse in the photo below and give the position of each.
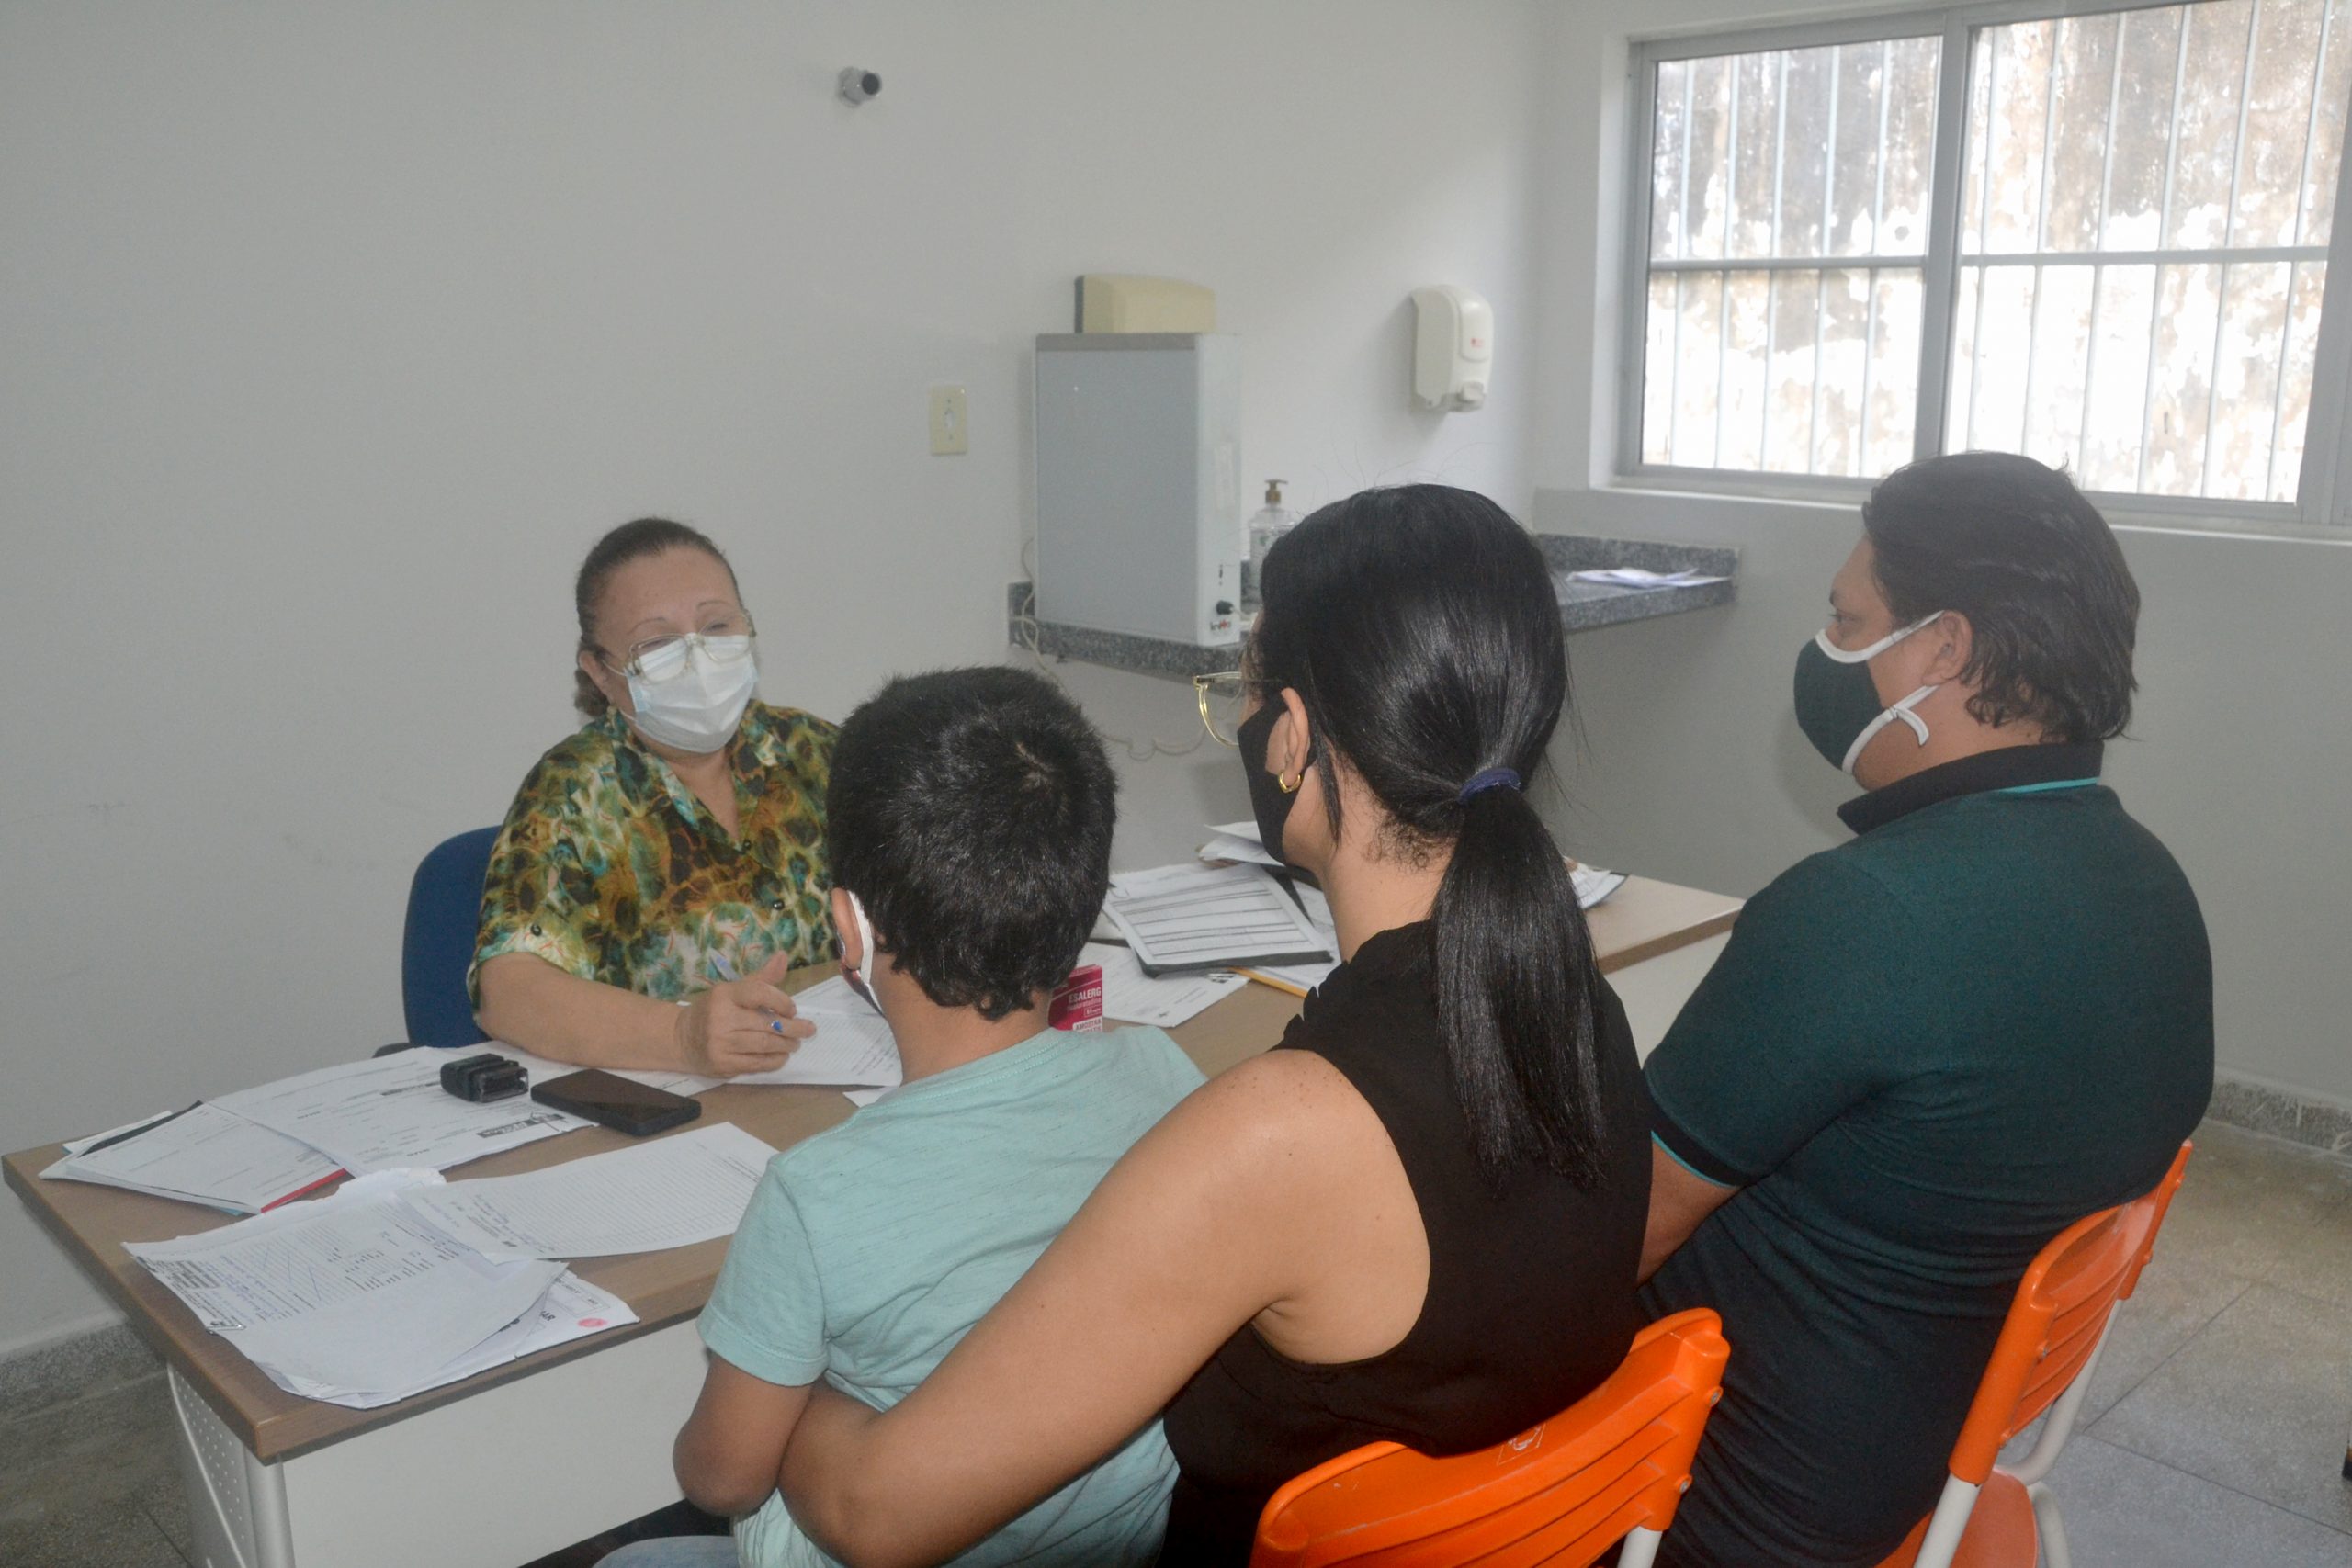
(664, 867)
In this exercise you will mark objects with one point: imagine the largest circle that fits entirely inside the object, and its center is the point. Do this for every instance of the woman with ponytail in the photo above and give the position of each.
(1419, 1218)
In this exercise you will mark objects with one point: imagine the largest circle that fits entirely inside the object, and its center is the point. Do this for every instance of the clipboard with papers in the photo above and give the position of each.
(1181, 918)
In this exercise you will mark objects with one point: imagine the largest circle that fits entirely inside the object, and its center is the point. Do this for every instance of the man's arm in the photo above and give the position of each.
(727, 1452)
(1679, 1199)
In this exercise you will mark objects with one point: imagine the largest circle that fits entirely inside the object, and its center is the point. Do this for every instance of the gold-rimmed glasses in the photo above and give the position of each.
(727, 640)
(1225, 702)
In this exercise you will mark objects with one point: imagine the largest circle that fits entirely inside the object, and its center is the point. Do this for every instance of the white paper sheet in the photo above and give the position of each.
(76, 1145)
(390, 1112)
(1178, 917)
(571, 1309)
(354, 1292)
(205, 1155)
(674, 1192)
(1635, 577)
(1237, 841)
(1594, 884)
(1131, 996)
(852, 1048)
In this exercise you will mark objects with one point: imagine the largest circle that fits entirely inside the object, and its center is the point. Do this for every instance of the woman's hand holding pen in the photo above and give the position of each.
(741, 1026)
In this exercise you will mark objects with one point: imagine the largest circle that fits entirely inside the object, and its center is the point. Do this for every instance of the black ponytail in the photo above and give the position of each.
(1419, 627)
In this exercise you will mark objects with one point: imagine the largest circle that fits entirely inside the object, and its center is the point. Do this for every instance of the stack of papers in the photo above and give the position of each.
(358, 1299)
(1131, 996)
(672, 1192)
(1210, 917)
(392, 1113)
(203, 1154)
(1635, 576)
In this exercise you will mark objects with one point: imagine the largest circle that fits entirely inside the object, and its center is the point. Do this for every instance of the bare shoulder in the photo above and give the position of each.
(1274, 1127)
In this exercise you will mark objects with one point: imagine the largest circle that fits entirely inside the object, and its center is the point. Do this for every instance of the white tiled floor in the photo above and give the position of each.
(2214, 1433)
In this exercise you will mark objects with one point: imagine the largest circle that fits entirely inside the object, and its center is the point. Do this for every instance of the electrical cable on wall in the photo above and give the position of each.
(1026, 627)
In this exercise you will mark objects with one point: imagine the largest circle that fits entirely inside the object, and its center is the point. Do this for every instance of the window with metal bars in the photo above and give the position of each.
(2097, 236)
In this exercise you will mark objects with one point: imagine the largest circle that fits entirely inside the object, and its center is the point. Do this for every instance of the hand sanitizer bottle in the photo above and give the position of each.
(1269, 522)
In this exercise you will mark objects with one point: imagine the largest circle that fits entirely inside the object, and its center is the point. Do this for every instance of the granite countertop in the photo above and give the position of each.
(1584, 606)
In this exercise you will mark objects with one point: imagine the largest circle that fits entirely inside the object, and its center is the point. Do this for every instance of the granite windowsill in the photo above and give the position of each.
(1584, 606)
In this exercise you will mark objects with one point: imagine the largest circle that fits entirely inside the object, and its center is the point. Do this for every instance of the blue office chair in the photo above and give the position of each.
(437, 946)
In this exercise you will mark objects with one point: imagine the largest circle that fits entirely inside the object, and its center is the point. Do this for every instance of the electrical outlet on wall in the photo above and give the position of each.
(948, 436)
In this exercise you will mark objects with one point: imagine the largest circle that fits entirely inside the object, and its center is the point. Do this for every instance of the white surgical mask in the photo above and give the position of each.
(696, 704)
(858, 973)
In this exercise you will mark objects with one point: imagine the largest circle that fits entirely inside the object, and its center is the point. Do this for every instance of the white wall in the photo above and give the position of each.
(1695, 770)
(333, 335)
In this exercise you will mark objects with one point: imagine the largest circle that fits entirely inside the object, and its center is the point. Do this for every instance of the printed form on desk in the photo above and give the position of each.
(1208, 917)
(359, 1300)
(853, 1048)
(1133, 996)
(390, 1112)
(203, 1154)
(677, 1191)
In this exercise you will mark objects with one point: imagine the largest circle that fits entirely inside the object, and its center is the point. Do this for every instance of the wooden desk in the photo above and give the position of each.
(516, 1461)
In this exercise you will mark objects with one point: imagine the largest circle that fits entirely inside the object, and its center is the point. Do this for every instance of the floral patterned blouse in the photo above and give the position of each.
(610, 869)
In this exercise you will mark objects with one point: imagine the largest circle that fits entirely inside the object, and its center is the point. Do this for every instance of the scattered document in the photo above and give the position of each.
(852, 1048)
(1594, 885)
(1203, 916)
(1237, 841)
(390, 1112)
(83, 1145)
(353, 1294)
(1635, 576)
(571, 1309)
(1131, 996)
(204, 1155)
(672, 1192)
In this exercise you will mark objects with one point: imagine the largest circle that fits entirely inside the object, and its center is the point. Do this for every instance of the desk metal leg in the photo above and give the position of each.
(236, 1505)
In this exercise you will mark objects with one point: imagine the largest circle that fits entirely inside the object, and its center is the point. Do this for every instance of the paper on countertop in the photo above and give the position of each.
(1237, 841)
(674, 1192)
(852, 1048)
(205, 1155)
(1594, 885)
(1201, 917)
(354, 1293)
(1131, 996)
(542, 1069)
(1635, 576)
(390, 1112)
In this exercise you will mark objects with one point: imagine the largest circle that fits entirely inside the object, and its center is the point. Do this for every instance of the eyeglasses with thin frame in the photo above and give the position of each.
(1225, 702)
(727, 640)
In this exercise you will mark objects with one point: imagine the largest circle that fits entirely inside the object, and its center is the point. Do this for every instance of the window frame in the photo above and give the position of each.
(2324, 488)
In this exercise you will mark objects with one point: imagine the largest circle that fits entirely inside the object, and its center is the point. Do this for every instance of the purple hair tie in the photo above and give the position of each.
(1493, 778)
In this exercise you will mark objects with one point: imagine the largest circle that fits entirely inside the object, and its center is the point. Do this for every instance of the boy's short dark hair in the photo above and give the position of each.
(2012, 545)
(970, 811)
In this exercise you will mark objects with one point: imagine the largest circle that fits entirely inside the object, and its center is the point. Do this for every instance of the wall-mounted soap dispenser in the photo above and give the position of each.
(1454, 347)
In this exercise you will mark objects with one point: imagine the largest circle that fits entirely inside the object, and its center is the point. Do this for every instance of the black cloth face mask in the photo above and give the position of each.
(1268, 802)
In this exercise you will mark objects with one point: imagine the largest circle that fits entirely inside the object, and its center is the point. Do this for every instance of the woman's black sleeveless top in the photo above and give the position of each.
(1530, 1293)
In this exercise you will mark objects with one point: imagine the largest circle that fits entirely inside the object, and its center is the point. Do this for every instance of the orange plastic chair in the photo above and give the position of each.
(1609, 1467)
(1993, 1517)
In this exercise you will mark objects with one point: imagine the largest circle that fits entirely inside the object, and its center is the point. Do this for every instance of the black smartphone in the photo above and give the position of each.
(610, 1101)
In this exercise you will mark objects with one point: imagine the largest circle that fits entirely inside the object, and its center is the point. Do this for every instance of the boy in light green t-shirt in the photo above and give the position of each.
(969, 817)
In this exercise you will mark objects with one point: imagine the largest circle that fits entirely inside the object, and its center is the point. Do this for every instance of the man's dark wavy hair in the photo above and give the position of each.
(970, 811)
(2012, 545)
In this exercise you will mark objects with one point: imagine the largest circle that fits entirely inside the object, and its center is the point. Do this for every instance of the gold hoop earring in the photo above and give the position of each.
(1288, 782)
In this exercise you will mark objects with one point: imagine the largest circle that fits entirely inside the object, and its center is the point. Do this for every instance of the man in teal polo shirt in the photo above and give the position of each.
(1927, 1050)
